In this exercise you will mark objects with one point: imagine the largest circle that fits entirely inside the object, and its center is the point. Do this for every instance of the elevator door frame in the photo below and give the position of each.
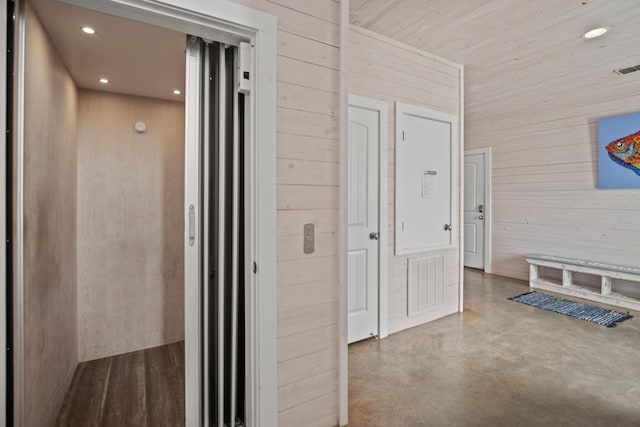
(230, 23)
(3, 216)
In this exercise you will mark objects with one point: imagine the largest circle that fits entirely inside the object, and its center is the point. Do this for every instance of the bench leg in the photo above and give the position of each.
(533, 273)
(606, 285)
(567, 278)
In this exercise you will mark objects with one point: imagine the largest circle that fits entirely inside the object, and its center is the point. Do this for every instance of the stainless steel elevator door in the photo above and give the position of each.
(214, 311)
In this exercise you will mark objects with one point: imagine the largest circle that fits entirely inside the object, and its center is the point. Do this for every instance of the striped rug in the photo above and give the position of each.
(602, 316)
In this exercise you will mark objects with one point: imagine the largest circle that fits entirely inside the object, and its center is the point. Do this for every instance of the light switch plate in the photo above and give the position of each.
(309, 238)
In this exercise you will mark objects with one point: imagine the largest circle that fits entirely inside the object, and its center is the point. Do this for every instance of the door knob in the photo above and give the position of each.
(374, 236)
(481, 217)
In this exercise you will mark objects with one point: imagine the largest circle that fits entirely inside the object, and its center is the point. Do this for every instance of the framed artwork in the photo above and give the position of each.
(619, 151)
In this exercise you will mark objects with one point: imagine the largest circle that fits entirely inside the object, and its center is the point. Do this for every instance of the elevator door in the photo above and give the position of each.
(215, 267)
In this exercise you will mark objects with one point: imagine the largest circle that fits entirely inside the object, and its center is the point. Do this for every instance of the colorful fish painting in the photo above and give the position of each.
(626, 151)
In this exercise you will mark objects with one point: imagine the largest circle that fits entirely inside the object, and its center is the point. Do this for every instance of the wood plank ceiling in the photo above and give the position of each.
(510, 43)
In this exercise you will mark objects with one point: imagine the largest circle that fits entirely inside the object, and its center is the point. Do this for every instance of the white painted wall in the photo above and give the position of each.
(382, 69)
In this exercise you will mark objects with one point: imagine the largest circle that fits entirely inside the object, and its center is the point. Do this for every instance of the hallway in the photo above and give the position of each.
(499, 363)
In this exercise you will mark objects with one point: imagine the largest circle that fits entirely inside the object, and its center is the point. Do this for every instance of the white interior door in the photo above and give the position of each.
(363, 223)
(474, 210)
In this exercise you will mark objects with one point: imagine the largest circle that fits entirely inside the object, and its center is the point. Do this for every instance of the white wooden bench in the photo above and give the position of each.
(606, 271)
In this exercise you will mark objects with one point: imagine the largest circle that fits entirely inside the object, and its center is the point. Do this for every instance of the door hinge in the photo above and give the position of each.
(403, 135)
(255, 267)
(402, 225)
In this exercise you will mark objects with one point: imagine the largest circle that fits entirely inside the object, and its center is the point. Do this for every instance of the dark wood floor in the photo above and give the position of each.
(143, 388)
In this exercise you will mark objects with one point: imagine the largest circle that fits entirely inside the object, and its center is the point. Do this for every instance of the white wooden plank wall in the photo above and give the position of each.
(382, 70)
(543, 131)
(544, 184)
(308, 179)
(533, 92)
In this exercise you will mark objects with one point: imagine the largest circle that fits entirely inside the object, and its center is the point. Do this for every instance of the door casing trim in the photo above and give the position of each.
(3, 217)
(487, 203)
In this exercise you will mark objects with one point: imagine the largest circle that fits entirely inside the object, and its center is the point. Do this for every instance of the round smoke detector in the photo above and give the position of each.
(140, 127)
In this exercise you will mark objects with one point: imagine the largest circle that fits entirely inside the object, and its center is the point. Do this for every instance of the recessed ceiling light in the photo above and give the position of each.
(88, 30)
(596, 32)
(104, 81)
(176, 92)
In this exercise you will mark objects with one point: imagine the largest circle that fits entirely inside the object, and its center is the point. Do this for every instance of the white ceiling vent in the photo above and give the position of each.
(627, 70)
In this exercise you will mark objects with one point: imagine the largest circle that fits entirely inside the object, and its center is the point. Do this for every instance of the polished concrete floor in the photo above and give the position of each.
(500, 363)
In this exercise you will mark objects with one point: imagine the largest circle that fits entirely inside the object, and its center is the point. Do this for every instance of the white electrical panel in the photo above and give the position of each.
(426, 179)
